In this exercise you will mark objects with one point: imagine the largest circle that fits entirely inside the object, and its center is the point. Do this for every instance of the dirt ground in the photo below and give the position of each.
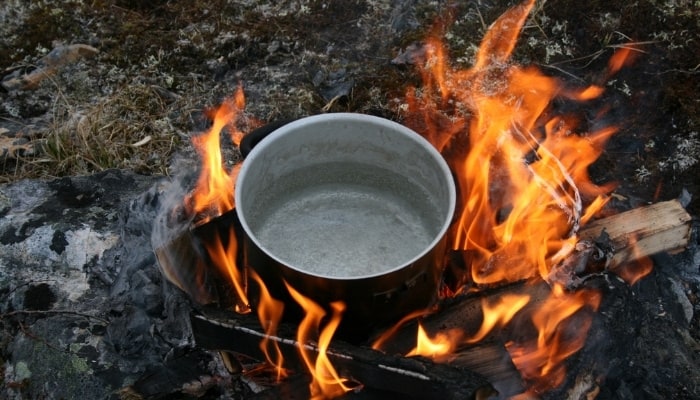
(146, 73)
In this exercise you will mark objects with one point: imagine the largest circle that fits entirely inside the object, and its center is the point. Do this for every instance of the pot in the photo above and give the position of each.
(347, 207)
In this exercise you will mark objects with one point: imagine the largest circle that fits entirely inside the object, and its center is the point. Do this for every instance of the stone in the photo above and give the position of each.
(84, 311)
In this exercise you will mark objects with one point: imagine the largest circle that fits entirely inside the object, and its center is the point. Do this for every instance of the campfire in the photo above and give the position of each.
(530, 235)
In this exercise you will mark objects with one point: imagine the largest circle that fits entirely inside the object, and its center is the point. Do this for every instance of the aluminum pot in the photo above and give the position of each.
(348, 207)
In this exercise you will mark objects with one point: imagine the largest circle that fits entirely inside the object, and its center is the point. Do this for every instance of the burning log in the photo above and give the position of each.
(410, 377)
(642, 231)
(617, 242)
(630, 235)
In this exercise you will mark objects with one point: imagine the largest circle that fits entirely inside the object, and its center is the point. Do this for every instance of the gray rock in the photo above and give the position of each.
(84, 310)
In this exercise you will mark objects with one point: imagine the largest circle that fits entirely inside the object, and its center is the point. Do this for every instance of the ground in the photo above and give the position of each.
(160, 65)
(125, 84)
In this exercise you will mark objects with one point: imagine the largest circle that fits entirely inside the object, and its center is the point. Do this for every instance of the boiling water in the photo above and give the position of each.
(345, 220)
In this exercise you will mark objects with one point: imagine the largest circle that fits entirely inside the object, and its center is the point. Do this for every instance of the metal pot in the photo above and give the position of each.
(347, 207)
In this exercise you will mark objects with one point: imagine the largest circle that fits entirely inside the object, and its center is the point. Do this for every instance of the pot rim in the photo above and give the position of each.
(408, 133)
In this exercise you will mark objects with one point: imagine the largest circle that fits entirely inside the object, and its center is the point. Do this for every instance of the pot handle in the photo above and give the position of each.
(254, 137)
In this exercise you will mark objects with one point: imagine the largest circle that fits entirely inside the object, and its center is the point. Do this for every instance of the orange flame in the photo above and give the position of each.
(637, 268)
(326, 383)
(522, 174)
(213, 194)
(499, 314)
(225, 259)
(270, 313)
(632, 271)
(379, 342)
(558, 338)
(522, 171)
(447, 341)
(444, 342)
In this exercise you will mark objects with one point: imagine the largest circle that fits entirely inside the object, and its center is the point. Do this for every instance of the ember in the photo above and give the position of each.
(524, 194)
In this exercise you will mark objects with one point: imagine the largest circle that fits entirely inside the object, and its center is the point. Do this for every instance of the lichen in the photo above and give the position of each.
(21, 371)
(686, 155)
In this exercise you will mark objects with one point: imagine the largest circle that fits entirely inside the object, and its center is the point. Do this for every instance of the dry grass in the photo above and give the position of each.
(130, 129)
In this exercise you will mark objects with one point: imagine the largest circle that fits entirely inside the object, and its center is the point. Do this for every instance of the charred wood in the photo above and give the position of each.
(409, 377)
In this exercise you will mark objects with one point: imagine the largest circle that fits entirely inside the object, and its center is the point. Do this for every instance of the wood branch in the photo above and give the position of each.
(642, 231)
(409, 377)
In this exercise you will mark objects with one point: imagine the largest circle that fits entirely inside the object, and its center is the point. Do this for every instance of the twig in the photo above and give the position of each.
(58, 312)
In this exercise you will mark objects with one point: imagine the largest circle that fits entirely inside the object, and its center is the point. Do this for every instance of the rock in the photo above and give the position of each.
(84, 311)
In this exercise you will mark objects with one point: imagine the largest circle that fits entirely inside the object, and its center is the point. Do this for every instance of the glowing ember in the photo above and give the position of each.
(326, 382)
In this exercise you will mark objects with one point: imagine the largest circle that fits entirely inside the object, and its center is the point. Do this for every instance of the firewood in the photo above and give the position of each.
(409, 377)
(642, 231)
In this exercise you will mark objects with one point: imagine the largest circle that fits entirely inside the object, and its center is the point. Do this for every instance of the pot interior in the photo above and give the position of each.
(352, 199)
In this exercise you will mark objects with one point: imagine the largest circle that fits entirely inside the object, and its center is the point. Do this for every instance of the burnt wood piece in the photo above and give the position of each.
(642, 231)
(409, 377)
(488, 357)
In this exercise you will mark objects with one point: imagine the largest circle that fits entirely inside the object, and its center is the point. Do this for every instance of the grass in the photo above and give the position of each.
(131, 129)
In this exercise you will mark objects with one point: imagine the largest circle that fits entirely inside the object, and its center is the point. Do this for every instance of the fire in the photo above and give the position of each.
(447, 341)
(523, 180)
(326, 382)
(213, 194)
(499, 314)
(224, 257)
(522, 173)
(632, 271)
(270, 313)
(379, 343)
(560, 334)
(443, 343)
